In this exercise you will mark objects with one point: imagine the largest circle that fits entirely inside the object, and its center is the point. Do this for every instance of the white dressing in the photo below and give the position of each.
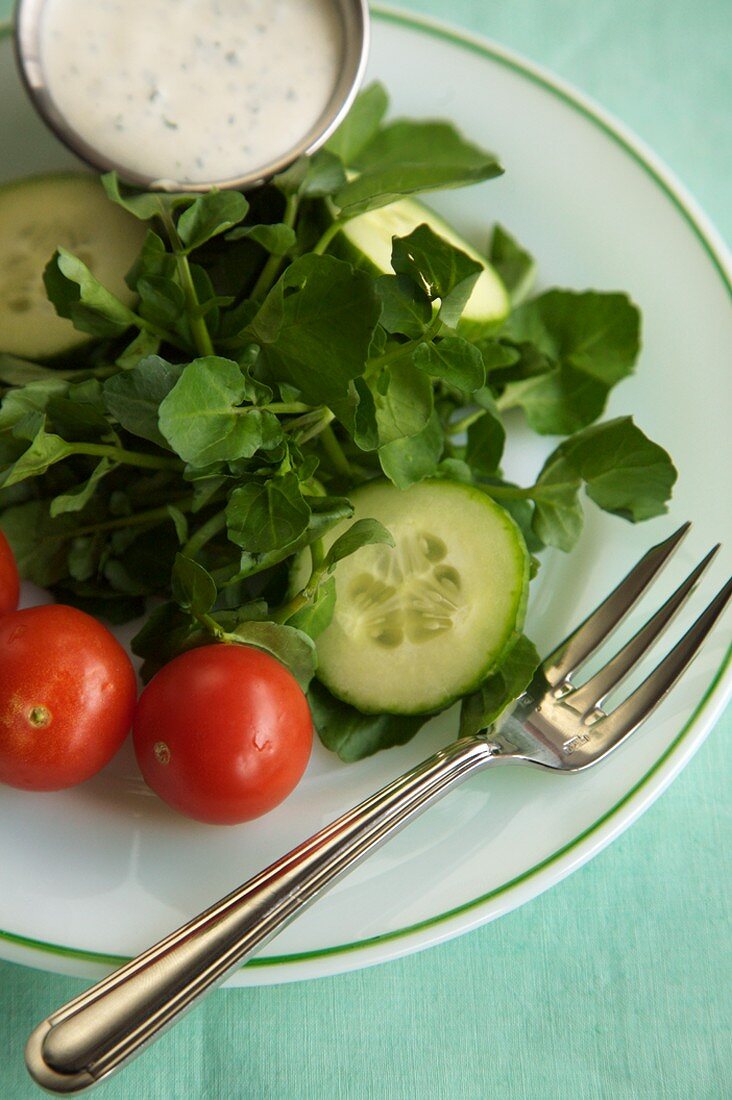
(191, 90)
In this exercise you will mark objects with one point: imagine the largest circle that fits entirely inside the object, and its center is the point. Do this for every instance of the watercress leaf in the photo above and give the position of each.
(407, 461)
(133, 397)
(45, 450)
(153, 259)
(484, 707)
(403, 400)
(591, 339)
(210, 215)
(496, 356)
(290, 181)
(439, 269)
(279, 239)
(312, 177)
(265, 516)
(558, 517)
(558, 402)
(162, 300)
(359, 416)
(485, 443)
(405, 158)
(193, 588)
(290, 646)
(79, 296)
(203, 420)
(325, 175)
(76, 499)
(363, 532)
(30, 401)
(254, 391)
(39, 543)
(144, 344)
(624, 473)
(315, 327)
(318, 615)
(79, 414)
(405, 308)
(353, 735)
(516, 267)
(452, 360)
(143, 205)
(325, 513)
(19, 372)
(454, 469)
(360, 124)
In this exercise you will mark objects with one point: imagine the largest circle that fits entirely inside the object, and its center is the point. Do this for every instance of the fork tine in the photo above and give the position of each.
(626, 717)
(592, 693)
(597, 627)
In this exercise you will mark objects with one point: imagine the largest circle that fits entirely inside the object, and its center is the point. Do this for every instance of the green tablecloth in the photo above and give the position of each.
(530, 1007)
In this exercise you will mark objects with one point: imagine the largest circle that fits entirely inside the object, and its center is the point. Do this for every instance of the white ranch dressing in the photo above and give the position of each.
(191, 90)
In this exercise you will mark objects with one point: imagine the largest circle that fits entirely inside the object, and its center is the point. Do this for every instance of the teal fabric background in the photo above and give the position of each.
(616, 984)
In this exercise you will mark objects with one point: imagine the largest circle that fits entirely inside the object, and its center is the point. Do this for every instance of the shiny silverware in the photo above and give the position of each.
(553, 725)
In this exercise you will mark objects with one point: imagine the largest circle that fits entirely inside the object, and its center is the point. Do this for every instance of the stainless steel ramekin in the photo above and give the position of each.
(356, 35)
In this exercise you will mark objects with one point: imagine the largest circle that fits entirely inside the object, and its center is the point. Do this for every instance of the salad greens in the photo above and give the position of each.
(208, 434)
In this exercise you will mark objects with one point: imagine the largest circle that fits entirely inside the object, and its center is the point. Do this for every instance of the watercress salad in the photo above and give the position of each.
(212, 430)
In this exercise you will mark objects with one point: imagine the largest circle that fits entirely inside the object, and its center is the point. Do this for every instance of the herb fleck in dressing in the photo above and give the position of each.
(191, 90)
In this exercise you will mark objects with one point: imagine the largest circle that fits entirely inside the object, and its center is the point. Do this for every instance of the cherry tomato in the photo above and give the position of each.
(223, 733)
(67, 697)
(9, 580)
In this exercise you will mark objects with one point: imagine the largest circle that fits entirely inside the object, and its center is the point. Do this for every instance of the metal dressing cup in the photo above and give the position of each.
(354, 24)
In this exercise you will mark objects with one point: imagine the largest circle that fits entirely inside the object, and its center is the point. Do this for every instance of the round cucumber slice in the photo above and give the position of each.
(38, 215)
(367, 239)
(418, 625)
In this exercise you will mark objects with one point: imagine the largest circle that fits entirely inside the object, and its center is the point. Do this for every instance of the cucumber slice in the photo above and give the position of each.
(36, 216)
(366, 241)
(417, 626)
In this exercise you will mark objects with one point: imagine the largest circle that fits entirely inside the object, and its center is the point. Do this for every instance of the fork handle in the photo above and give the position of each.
(103, 1028)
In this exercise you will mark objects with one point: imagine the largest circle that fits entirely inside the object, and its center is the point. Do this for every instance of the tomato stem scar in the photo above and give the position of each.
(162, 752)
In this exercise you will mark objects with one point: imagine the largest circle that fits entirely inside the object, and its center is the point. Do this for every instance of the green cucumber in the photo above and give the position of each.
(37, 215)
(366, 242)
(418, 625)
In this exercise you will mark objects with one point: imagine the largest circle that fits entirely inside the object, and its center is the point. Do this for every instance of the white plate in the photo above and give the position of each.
(92, 874)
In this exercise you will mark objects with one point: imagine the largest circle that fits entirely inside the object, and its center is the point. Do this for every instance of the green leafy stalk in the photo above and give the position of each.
(196, 320)
(273, 264)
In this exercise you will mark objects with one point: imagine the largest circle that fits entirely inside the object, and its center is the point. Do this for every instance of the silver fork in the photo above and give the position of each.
(553, 725)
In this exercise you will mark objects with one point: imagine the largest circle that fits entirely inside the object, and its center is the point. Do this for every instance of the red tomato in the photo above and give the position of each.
(223, 733)
(67, 697)
(9, 580)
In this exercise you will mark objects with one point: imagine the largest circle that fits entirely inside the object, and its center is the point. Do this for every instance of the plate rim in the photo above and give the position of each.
(666, 767)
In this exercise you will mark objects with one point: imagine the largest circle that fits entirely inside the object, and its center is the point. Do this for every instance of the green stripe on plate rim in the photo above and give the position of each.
(543, 80)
